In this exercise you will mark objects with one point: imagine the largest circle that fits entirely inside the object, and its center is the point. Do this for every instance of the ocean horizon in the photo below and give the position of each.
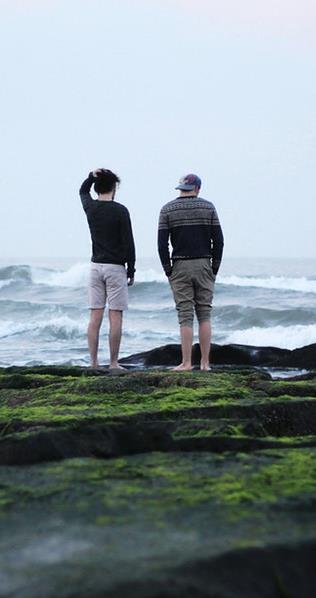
(44, 310)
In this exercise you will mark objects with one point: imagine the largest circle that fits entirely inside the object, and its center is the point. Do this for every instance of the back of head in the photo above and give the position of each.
(189, 182)
(106, 182)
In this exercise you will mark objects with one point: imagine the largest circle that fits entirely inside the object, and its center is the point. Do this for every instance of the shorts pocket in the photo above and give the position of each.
(210, 273)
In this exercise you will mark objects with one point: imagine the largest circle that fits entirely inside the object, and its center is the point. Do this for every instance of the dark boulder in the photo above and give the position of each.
(244, 355)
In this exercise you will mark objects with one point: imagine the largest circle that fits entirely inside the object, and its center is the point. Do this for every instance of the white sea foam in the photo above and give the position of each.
(302, 285)
(284, 337)
(151, 320)
(150, 275)
(64, 327)
(76, 276)
(10, 328)
(58, 327)
(154, 308)
(5, 283)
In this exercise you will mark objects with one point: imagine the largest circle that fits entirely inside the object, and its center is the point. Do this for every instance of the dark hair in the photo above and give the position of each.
(106, 182)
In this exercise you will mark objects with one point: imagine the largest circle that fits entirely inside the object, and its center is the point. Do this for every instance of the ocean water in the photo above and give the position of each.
(44, 313)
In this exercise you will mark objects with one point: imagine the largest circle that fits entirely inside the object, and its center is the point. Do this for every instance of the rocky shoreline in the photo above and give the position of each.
(245, 355)
(157, 483)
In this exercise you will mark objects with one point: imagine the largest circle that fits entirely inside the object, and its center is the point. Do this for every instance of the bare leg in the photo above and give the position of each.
(115, 318)
(205, 343)
(96, 316)
(186, 346)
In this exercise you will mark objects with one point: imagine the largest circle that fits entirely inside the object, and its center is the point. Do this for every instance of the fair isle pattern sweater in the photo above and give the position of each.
(192, 225)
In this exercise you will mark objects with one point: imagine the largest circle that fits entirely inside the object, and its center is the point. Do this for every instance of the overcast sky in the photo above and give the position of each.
(153, 90)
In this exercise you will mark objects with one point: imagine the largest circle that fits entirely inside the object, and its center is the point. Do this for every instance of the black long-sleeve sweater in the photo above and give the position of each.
(192, 225)
(110, 229)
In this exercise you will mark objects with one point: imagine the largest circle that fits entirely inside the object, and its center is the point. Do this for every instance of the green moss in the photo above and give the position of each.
(159, 485)
(64, 407)
(294, 440)
(218, 404)
(203, 428)
(285, 397)
(293, 475)
(5, 499)
(278, 388)
(23, 381)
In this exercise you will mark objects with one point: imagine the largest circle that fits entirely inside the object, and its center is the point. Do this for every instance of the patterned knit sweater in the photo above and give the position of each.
(192, 225)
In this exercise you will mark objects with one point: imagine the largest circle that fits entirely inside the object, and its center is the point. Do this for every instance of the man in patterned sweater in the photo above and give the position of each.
(192, 225)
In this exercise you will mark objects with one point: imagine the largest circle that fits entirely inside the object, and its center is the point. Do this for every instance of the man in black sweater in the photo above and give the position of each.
(192, 225)
(112, 248)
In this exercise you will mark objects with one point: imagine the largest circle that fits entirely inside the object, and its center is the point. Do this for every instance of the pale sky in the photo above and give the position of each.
(154, 90)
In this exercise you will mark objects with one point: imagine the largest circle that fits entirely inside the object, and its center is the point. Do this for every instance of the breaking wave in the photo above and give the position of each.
(60, 328)
(77, 276)
(284, 337)
(44, 315)
(301, 285)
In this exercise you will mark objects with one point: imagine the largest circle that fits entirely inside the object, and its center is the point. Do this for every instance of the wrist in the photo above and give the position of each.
(168, 270)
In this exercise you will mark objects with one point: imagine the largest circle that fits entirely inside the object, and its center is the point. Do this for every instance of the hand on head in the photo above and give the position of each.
(98, 171)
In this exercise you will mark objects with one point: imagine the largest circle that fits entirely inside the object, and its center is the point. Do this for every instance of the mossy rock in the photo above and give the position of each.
(158, 518)
(44, 416)
(156, 484)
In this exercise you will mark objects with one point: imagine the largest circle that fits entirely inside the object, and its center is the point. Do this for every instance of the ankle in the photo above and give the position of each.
(114, 364)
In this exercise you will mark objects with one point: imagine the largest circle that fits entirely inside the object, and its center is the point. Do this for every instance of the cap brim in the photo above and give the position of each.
(185, 187)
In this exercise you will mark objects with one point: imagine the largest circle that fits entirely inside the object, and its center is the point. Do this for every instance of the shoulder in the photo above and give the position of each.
(121, 209)
(208, 206)
(171, 205)
(205, 203)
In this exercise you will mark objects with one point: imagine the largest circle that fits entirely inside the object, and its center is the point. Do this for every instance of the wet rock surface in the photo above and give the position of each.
(170, 355)
(157, 483)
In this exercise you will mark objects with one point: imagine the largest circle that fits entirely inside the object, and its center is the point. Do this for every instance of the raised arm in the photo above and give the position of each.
(217, 242)
(163, 242)
(84, 191)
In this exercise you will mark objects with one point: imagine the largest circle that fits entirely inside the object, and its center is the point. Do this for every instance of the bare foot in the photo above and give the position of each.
(205, 367)
(183, 368)
(116, 366)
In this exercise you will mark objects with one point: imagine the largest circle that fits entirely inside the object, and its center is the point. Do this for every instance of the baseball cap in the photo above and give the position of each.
(189, 182)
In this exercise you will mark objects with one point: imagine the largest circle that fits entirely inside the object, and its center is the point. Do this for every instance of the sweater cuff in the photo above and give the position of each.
(168, 269)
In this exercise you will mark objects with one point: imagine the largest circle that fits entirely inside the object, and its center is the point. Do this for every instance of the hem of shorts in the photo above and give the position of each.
(204, 319)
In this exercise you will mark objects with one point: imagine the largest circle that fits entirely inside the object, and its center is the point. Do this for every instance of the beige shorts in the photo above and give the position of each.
(108, 284)
(192, 283)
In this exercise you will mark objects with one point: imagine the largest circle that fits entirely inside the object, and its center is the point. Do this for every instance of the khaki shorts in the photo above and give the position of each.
(108, 283)
(192, 283)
